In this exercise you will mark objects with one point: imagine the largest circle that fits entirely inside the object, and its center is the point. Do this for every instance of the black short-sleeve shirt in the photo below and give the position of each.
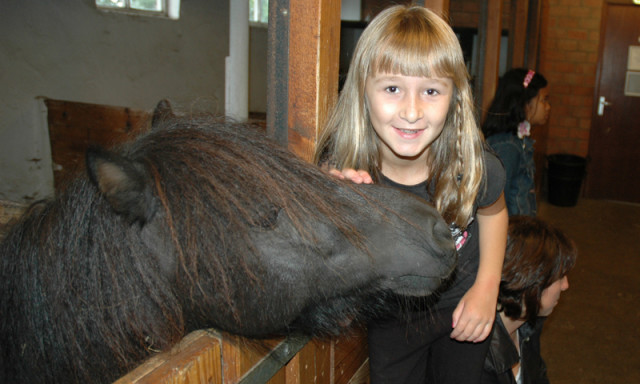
(467, 241)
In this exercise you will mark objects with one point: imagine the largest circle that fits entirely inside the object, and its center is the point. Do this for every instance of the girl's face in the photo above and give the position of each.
(407, 113)
(551, 295)
(538, 108)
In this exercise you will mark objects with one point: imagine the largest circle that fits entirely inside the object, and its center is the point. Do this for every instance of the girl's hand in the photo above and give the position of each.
(473, 317)
(356, 176)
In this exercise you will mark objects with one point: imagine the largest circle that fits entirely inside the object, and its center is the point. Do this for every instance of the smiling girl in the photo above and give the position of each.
(405, 118)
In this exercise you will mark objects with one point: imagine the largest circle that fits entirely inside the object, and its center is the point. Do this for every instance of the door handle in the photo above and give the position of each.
(601, 104)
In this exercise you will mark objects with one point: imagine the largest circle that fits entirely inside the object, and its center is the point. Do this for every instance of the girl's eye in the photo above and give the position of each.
(431, 92)
(392, 89)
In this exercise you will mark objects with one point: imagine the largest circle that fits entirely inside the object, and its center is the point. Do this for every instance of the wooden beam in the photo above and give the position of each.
(302, 70)
(314, 49)
(491, 26)
(518, 33)
(533, 34)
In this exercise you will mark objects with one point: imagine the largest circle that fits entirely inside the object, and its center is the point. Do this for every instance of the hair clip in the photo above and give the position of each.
(527, 79)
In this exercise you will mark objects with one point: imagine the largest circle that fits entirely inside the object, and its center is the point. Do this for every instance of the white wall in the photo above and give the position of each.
(351, 10)
(68, 50)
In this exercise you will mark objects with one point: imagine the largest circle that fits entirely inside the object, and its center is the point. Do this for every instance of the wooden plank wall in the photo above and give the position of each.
(74, 126)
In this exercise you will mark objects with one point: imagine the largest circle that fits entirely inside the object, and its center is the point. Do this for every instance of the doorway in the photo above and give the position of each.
(614, 144)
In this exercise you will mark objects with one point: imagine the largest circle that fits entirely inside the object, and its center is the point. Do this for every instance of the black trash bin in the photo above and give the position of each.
(564, 176)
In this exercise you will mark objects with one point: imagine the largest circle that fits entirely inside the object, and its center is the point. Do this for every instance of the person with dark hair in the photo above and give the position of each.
(521, 101)
(534, 275)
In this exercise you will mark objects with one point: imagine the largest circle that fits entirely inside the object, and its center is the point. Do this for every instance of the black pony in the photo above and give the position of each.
(201, 223)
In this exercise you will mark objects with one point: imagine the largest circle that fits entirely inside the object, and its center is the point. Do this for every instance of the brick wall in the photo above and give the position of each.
(569, 59)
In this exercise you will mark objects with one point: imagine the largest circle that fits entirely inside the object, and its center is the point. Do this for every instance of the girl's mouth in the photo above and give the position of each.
(409, 132)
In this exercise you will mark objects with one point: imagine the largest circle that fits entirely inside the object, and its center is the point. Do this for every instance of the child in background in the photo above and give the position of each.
(521, 101)
(533, 276)
(405, 118)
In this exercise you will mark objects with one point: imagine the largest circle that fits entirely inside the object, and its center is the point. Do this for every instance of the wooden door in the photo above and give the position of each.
(614, 145)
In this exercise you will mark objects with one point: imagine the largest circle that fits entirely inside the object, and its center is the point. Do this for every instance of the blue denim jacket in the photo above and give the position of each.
(517, 158)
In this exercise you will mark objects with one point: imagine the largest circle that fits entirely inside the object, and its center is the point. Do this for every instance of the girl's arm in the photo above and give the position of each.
(473, 317)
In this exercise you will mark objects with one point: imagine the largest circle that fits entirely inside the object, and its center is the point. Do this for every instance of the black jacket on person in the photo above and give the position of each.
(503, 355)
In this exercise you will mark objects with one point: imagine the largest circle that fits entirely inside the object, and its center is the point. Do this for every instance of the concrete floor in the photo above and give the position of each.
(593, 335)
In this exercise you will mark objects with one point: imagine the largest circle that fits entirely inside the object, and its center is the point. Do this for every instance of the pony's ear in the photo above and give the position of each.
(123, 182)
(162, 112)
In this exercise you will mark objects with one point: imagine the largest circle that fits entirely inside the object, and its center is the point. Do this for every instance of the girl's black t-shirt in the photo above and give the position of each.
(467, 240)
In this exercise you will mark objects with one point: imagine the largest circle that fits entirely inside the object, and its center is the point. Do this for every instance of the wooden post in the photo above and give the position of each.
(518, 33)
(312, 61)
(491, 27)
(533, 34)
(314, 49)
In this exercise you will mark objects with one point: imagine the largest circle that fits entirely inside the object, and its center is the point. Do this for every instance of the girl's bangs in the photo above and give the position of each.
(418, 55)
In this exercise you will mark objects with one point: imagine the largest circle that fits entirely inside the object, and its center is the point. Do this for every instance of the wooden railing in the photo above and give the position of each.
(211, 357)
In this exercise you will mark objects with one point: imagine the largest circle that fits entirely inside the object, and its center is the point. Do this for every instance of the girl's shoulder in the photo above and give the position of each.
(492, 163)
(493, 180)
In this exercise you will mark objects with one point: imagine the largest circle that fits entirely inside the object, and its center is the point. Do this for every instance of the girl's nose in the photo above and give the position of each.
(411, 110)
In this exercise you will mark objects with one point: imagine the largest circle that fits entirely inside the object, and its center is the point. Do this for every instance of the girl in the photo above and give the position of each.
(533, 277)
(405, 118)
(521, 101)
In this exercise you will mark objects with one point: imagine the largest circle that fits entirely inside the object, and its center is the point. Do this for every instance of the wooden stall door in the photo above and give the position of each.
(613, 171)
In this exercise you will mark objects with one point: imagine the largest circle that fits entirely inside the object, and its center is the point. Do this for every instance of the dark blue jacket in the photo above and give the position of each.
(517, 157)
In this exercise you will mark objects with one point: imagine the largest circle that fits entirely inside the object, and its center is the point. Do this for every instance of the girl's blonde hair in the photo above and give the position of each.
(412, 41)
